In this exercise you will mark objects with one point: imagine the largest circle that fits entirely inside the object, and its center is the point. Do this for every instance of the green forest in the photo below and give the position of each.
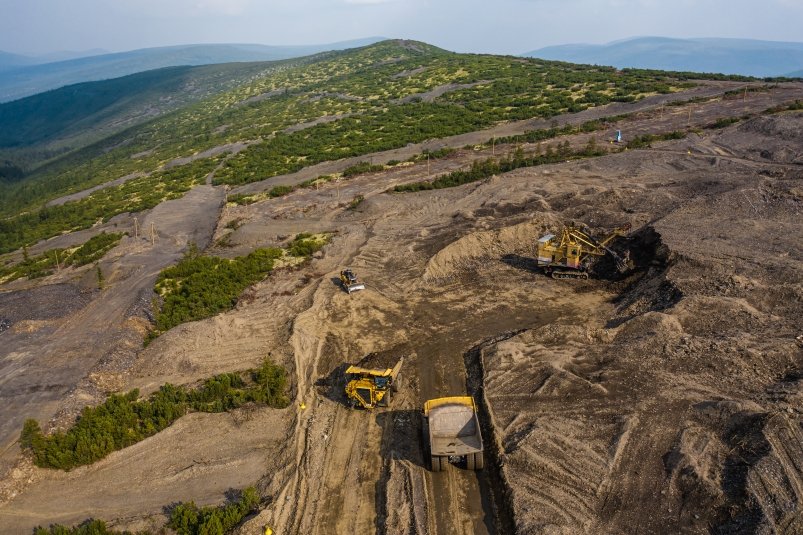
(124, 419)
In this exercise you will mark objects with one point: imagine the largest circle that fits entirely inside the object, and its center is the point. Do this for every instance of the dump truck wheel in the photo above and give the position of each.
(479, 461)
(470, 461)
(385, 401)
(396, 386)
(436, 464)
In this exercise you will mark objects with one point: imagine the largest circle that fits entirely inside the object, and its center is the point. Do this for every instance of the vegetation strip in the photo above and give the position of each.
(201, 286)
(124, 419)
(186, 518)
(492, 166)
(42, 265)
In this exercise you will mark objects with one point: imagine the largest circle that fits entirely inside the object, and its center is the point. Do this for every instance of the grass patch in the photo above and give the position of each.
(89, 527)
(124, 419)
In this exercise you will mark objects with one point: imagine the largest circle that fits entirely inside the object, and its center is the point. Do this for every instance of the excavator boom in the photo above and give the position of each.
(572, 256)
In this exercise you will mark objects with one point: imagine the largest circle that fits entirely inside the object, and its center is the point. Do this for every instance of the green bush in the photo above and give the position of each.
(305, 245)
(123, 419)
(189, 519)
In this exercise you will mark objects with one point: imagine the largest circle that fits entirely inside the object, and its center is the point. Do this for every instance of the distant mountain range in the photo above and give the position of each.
(729, 56)
(21, 76)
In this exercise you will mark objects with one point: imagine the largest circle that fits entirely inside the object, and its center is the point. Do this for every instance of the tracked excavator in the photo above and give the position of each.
(571, 255)
(369, 388)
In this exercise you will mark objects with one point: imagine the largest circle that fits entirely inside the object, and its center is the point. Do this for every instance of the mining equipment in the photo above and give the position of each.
(571, 255)
(349, 281)
(618, 138)
(452, 430)
(369, 388)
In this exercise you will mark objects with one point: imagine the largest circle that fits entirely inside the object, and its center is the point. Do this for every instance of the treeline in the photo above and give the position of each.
(123, 419)
(492, 166)
(135, 195)
(42, 265)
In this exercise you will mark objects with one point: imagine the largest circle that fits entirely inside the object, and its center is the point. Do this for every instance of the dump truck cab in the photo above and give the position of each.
(452, 430)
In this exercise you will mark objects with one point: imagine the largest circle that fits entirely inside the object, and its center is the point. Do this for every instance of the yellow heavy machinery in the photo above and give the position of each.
(349, 281)
(369, 388)
(571, 255)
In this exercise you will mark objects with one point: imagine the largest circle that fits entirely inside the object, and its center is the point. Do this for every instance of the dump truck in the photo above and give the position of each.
(571, 255)
(452, 430)
(369, 388)
(349, 281)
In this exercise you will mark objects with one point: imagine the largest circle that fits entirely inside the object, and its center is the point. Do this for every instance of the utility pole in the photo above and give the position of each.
(493, 146)
(688, 121)
(153, 233)
(58, 265)
(136, 228)
(427, 163)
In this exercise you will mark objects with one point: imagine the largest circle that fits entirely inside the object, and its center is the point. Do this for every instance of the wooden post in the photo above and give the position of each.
(493, 146)
(153, 233)
(58, 265)
(136, 228)
(688, 121)
(427, 163)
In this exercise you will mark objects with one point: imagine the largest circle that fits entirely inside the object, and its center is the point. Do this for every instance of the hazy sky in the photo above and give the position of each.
(500, 26)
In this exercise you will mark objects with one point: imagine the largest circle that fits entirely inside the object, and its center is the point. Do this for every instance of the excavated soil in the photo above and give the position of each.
(665, 400)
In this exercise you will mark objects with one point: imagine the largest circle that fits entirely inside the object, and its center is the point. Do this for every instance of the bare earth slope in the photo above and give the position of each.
(665, 401)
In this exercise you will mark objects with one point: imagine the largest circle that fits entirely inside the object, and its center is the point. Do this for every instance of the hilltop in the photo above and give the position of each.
(21, 76)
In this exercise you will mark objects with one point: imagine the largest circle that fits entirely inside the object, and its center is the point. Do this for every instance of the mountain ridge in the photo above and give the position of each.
(705, 55)
(26, 79)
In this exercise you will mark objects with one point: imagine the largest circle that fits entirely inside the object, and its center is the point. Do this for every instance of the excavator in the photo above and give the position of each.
(369, 388)
(571, 255)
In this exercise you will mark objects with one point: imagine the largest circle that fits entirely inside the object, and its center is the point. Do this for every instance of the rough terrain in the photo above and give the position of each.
(664, 401)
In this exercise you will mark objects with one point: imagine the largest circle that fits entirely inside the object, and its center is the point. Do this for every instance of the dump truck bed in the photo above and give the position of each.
(454, 428)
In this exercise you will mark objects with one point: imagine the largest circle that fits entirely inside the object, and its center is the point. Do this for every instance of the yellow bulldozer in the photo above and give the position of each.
(369, 388)
(571, 255)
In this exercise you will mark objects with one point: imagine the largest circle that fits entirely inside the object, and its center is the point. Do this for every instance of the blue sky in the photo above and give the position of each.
(500, 26)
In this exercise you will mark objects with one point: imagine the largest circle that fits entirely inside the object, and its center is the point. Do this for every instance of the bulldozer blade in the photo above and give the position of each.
(355, 287)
